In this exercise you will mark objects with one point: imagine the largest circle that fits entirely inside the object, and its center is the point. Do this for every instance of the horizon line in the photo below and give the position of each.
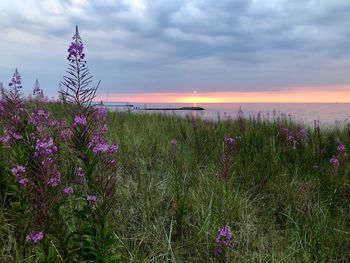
(333, 94)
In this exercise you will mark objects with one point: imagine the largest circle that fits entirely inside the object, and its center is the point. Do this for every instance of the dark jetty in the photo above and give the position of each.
(182, 108)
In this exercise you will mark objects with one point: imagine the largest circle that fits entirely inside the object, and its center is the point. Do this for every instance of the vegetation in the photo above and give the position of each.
(172, 190)
(284, 200)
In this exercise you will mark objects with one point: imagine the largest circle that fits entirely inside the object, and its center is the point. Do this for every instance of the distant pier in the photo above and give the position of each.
(181, 108)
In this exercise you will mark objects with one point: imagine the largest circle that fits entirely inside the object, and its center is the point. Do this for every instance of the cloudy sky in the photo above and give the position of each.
(140, 47)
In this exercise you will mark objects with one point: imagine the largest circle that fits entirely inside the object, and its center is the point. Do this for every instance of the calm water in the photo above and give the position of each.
(328, 113)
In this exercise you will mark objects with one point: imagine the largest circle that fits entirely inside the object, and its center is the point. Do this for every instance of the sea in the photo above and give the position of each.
(327, 114)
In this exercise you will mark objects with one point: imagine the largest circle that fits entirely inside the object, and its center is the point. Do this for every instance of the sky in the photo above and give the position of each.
(185, 51)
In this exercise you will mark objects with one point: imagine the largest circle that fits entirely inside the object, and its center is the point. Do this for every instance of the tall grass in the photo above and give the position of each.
(284, 202)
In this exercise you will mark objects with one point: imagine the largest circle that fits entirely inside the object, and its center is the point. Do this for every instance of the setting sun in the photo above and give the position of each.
(339, 93)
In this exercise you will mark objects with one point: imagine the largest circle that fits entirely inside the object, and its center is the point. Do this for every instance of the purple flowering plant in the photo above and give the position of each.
(341, 148)
(231, 146)
(12, 113)
(223, 242)
(46, 176)
(295, 136)
(240, 120)
(76, 85)
(20, 173)
(334, 161)
(94, 158)
(38, 93)
(35, 237)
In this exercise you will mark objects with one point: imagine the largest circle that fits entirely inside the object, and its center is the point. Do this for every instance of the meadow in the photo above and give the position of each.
(179, 181)
(80, 184)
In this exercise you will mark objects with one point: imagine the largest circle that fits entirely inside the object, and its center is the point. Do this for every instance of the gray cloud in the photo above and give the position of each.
(155, 45)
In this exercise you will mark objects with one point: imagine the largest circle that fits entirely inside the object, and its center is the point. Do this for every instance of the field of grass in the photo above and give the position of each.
(282, 198)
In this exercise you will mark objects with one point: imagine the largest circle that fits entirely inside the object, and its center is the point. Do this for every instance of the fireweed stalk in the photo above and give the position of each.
(97, 165)
(230, 150)
(88, 129)
(32, 203)
(223, 242)
(77, 97)
(37, 91)
(240, 120)
(35, 168)
(40, 178)
(45, 175)
(13, 138)
(337, 161)
(37, 97)
(12, 111)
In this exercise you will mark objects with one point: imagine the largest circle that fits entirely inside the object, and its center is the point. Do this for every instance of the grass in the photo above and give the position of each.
(283, 203)
(281, 208)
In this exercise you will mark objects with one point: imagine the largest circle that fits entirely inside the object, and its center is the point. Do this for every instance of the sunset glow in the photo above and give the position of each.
(340, 93)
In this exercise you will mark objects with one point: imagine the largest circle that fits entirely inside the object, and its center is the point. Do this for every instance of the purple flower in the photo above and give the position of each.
(47, 162)
(66, 134)
(223, 239)
(55, 180)
(285, 130)
(101, 147)
(100, 113)
(5, 139)
(341, 148)
(43, 113)
(45, 147)
(111, 162)
(17, 136)
(80, 172)
(79, 121)
(16, 119)
(104, 129)
(16, 81)
(91, 198)
(54, 123)
(23, 182)
(105, 148)
(18, 169)
(20, 173)
(334, 161)
(291, 138)
(173, 142)
(37, 91)
(81, 175)
(76, 48)
(98, 138)
(75, 51)
(224, 236)
(62, 123)
(68, 190)
(229, 140)
(302, 134)
(113, 149)
(35, 237)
